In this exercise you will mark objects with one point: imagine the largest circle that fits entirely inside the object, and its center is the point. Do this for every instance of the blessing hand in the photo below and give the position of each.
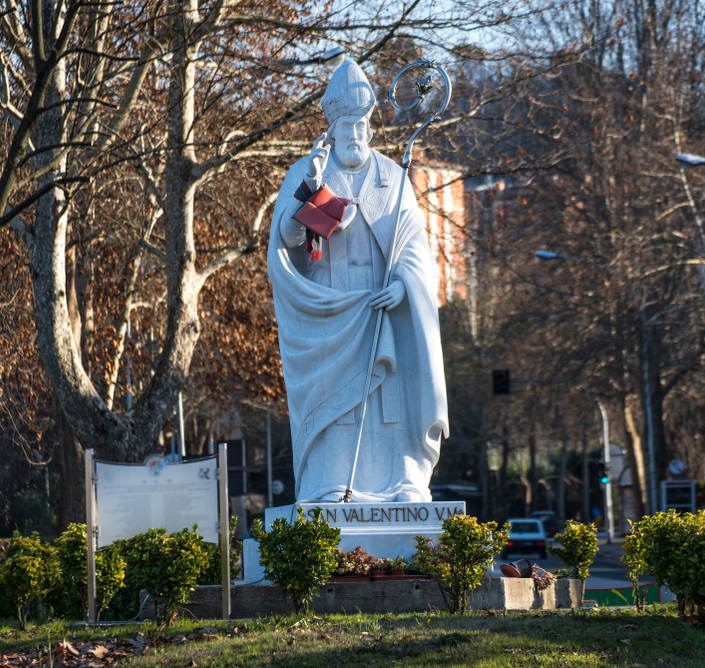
(390, 297)
(318, 158)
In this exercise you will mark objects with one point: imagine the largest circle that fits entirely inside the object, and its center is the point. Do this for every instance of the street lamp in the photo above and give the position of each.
(331, 57)
(650, 428)
(552, 255)
(690, 159)
(607, 455)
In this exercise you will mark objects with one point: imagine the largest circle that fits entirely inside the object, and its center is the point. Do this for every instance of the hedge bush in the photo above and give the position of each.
(299, 557)
(670, 546)
(576, 546)
(29, 571)
(211, 574)
(168, 566)
(70, 598)
(6, 609)
(464, 552)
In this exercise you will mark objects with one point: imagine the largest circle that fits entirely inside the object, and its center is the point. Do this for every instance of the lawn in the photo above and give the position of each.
(563, 638)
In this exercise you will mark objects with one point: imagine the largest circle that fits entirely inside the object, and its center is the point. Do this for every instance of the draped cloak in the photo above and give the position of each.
(325, 339)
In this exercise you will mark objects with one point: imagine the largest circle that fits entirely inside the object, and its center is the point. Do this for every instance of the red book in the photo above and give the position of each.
(322, 212)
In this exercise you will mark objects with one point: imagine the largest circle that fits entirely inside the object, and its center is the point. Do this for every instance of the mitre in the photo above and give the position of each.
(349, 93)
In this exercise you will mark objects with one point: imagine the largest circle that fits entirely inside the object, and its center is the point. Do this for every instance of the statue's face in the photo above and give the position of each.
(351, 136)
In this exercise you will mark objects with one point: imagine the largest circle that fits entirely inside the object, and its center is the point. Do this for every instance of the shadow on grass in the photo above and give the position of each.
(577, 639)
(526, 639)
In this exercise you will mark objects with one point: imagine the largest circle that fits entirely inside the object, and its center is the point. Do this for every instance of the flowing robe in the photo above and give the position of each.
(326, 327)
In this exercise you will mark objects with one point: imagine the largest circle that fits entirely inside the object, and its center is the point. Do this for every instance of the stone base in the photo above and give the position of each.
(384, 530)
(383, 596)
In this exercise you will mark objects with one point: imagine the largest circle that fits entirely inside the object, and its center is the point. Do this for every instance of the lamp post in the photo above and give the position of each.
(606, 456)
(607, 459)
(646, 367)
(331, 57)
(690, 159)
(552, 255)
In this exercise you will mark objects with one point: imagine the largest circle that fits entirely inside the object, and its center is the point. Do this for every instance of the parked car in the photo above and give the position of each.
(550, 521)
(526, 534)
(458, 492)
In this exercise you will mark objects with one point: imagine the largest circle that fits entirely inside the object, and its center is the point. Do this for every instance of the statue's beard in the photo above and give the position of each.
(352, 154)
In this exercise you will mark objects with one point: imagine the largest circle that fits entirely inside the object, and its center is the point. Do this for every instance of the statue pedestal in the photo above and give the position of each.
(384, 530)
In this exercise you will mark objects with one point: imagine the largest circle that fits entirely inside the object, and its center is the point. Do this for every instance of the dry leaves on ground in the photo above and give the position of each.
(95, 654)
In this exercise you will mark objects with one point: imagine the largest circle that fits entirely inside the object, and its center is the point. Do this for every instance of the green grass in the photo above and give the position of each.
(565, 638)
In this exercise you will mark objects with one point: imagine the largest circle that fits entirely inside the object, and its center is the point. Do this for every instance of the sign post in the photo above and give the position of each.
(123, 500)
(90, 532)
(224, 525)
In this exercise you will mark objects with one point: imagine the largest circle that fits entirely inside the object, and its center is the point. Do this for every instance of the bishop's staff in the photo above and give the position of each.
(423, 86)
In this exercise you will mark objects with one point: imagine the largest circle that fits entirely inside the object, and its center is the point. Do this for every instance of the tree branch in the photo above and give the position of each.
(157, 252)
(234, 254)
(27, 202)
(214, 18)
(38, 37)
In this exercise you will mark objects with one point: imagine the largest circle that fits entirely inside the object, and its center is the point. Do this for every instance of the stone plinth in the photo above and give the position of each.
(384, 530)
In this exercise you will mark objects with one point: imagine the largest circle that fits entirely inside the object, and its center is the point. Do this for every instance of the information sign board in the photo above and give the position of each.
(132, 498)
(678, 494)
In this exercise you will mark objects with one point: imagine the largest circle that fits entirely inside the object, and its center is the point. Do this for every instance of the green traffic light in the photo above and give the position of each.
(604, 479)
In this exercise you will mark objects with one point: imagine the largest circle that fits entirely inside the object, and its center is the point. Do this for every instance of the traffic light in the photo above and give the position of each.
(501, 381)
(603, 473)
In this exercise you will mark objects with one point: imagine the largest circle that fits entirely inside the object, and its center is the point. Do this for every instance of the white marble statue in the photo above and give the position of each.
(326, 310)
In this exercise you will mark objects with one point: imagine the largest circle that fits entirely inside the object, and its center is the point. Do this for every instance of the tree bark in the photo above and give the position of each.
(503, 506)
(561, 480)
(635, 454)
(71, 478)
(532, 470)
(93, 422)
(585, 480)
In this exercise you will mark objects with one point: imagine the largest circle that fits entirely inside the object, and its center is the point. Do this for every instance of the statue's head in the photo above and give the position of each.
(348, 103)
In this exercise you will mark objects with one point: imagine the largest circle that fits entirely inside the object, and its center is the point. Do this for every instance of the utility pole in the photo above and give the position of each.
(606, 457)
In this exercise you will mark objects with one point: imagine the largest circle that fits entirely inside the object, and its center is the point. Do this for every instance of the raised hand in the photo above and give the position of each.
(318, 158)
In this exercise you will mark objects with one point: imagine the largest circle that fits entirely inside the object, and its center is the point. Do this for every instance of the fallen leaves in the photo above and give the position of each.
(99, 651)
(102, 653)
(64, 648)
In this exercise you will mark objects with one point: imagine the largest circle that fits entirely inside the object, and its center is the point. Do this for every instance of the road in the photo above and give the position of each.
(607, 570)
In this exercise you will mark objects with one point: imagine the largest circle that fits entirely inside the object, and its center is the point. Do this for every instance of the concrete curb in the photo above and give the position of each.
(412, 595)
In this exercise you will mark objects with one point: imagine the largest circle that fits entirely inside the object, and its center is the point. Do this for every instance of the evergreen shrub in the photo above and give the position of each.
(464, 552)
(670, 546)
(70, 598)
(299, 557)
(576, 546)
(168, 566)
(29, 571)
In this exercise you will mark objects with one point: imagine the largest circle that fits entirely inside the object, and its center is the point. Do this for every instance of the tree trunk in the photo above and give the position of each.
(532, 470)
(528, 496)
(635, 454)
(561, 480)
(58, 347)
(183, 280)
(92, 421)
(71, 475)
(586, 480)
(503, 506)
(484, 481)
